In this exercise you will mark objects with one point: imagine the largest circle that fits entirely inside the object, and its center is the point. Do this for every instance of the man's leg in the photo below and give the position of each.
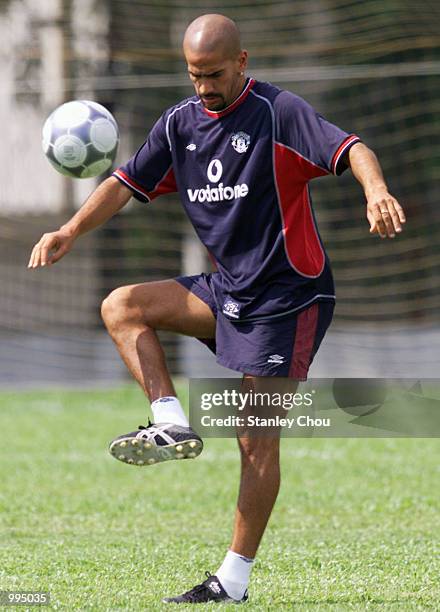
(259, 486)
(299, 338)
(132, 315)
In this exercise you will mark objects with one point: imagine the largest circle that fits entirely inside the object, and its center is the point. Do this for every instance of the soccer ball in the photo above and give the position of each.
(80, 139)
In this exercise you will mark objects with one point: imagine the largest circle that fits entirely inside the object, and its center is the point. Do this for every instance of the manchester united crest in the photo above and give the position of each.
(241, 141)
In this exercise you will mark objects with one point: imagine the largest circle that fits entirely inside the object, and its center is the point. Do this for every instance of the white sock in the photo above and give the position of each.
(233, 574)
(169, 410)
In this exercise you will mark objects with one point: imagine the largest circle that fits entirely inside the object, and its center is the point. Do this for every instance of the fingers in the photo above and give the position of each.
(383, 221)
(40, 255)
(399, 211)
(45, 250)
(58, 254)
(31, 259)
(35, 258)
(372, 222)
(386, 217)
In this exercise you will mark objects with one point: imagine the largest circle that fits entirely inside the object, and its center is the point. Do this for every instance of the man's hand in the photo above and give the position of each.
(384, 214)
(107, 199)
(51, 248)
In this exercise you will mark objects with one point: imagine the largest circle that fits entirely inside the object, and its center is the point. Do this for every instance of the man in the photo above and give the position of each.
(241, 154)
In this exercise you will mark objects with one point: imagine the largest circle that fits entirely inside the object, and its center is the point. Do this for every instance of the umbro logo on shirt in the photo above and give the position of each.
(276, 359)
(191, 147)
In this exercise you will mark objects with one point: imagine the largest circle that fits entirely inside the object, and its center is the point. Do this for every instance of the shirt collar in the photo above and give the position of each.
(241, 98)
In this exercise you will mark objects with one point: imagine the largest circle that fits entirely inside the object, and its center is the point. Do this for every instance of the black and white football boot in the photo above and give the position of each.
(155, 443)
(209, 590)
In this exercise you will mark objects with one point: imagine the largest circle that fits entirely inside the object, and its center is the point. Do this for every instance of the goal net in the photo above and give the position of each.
(373, 68)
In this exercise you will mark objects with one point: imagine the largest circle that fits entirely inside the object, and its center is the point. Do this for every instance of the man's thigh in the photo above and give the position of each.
(168, 305)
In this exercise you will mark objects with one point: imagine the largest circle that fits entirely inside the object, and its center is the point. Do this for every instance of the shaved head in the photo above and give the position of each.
(215, 59)
(212, 33)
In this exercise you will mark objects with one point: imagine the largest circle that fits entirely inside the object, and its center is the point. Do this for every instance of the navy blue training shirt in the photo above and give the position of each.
(242, 175)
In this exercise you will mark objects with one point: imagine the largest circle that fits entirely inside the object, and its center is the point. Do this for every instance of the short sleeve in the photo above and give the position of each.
(149, 173)
(321, 145)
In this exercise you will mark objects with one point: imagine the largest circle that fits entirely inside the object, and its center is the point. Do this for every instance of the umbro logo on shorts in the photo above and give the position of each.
(276, 359)
(232, 309)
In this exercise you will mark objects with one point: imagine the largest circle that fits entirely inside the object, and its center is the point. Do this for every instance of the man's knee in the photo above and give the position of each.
(119, 307)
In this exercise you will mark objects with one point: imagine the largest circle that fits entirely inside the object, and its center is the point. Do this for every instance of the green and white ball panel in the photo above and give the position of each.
(61, 169)
(103, 135)
(70, 115)
(70, 151)
(96, 168)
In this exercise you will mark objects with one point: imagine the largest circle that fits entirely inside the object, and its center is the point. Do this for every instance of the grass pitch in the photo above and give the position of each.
(356, 525)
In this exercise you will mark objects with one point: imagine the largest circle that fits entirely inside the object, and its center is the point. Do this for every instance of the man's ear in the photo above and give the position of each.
(243, 59)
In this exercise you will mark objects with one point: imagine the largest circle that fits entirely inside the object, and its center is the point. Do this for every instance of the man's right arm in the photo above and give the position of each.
(105, 201)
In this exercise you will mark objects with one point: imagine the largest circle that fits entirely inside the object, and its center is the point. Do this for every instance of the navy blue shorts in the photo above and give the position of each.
(282, 346)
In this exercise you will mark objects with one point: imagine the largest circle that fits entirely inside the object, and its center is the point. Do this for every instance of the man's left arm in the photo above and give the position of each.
(384, 212)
